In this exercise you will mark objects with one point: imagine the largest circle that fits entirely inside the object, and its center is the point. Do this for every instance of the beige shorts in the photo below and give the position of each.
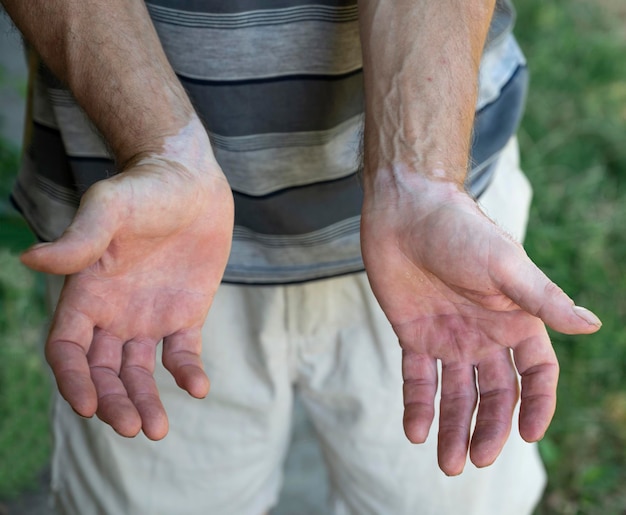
(328, 342)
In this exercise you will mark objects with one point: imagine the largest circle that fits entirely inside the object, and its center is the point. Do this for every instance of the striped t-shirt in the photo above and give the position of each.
(279, 87)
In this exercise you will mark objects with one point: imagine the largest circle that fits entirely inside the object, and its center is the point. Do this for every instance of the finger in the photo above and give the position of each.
(66, 349)
(537, 364)
(114, 406)
(499, 391)
(84, 241)
(458, 402)
(137, 374)
(420, 386)
(522, 281)
(182, 357)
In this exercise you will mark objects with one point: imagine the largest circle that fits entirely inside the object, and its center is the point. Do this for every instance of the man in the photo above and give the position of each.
(278, 86)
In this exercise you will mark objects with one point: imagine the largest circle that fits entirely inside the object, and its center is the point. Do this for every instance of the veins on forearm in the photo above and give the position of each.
(421, 64)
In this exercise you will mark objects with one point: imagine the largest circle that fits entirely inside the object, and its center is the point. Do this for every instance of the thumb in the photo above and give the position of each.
(526, 285)
(80, 246)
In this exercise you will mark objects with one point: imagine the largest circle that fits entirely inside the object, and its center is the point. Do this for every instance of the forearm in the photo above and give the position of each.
(109, 55)
(421, 61)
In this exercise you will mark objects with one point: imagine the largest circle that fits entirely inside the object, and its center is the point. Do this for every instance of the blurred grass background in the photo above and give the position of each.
(573, 141)
(24, 381)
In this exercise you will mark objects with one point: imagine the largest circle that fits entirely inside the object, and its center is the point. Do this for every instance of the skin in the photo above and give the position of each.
(147, 249)
(454, 286)
(467, 298)
(148, 273)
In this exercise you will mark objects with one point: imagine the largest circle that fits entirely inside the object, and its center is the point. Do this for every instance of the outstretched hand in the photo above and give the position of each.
(457, 289)
(143, 258)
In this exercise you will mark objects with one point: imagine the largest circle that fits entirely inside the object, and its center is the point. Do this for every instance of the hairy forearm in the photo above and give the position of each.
(109, 55)
(421, 61)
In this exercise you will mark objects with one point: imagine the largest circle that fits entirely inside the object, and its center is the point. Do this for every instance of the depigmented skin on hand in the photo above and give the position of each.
(147, 248)
(143, 258)
(457, 289)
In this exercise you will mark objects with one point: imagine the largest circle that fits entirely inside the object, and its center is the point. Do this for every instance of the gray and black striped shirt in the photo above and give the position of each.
(278, 85)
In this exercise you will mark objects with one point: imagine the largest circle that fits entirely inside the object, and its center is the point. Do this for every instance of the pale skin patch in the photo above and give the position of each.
(137, 279)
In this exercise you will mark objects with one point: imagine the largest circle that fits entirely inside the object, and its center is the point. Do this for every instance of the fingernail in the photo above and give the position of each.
(587, 316)
(39, 246)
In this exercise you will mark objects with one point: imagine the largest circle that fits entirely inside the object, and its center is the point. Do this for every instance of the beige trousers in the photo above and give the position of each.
(329, 342)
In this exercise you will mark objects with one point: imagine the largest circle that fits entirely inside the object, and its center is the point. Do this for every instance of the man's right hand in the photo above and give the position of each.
(144, 257)
(148, 247)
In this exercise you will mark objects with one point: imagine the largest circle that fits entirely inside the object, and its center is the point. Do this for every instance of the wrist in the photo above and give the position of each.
(422, 139)
(424, 192)
(421, 177)
(188, 146)
(168, 117)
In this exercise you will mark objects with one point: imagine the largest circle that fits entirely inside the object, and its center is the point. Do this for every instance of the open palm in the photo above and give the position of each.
(143, 258)
(457, 289)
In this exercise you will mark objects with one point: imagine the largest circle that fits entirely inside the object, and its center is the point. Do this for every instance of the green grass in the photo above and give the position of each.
(14, 233)
(573, 143)
(24, 380)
